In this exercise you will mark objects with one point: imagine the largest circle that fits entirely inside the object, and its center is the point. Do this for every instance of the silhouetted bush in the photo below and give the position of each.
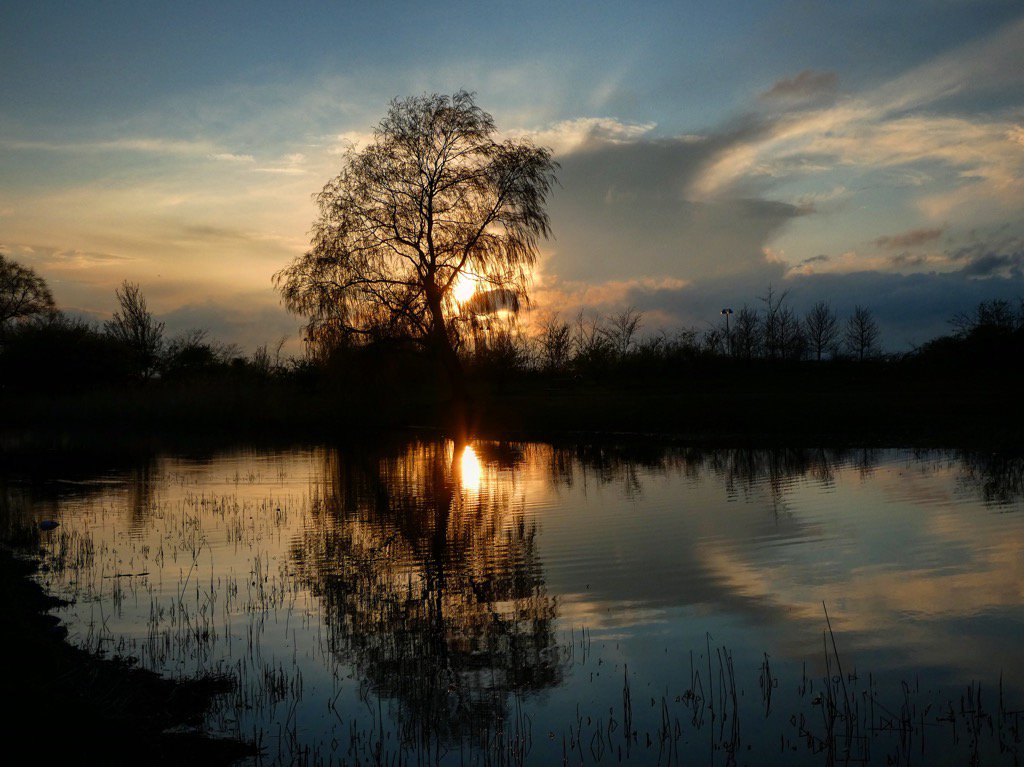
(59, 353)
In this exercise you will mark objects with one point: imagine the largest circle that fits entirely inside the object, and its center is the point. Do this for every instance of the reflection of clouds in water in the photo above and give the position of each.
(901, 547)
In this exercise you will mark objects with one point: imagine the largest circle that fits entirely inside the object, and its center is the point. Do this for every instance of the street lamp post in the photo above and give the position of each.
(728, 335)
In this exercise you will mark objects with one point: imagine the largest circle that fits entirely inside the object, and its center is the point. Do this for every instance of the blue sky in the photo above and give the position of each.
(868, 152)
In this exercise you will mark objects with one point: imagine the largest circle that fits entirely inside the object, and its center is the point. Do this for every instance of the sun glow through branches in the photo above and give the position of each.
(464, 287)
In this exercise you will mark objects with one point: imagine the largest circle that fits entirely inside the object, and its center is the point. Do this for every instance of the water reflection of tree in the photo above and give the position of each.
(35, 483)
(743, 470)
(995, 477)
(998, 478)
(433, 590)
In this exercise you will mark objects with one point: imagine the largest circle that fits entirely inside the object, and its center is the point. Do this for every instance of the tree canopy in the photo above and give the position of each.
(434, 199)
(23, 293)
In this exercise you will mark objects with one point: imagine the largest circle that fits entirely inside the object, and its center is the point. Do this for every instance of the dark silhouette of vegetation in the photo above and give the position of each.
(822, 327)
(137, 330)
(84, 706)
(990, 338)
(435, 199)
(746, 334)
(781, 331)
(23, 294)
(862, 333)
(60, 353)
(774, 374)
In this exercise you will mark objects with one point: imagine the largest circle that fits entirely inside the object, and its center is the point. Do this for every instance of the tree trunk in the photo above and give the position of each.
(441, 343)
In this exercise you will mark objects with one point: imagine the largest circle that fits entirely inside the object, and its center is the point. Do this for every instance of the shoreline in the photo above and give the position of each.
(791, 408)
(86, 708)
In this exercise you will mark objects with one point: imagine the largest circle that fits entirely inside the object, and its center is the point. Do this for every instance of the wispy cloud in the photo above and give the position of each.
(897, 124)
(164, 146)
(569, 136)
(293, 164)
(805, 85)
(231, 157)
(910, 239)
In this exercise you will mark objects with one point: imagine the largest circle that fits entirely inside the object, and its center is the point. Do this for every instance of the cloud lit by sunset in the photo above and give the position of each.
(877, 151)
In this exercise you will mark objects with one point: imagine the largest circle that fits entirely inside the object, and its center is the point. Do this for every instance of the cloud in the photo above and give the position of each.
(993, 264)
(259, 322)
(566, 298)
(910, 308)
(231, 157)
(977, 158)
(904, 261)
(48, 257)
(909, 239)
(984, 255)
(806, 84)
(621, 212)
(148, 145)
(573, 135)
(293, 164)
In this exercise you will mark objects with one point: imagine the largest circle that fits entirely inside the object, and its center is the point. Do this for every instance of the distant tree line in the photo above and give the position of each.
(767, 334)
(771, 331)
(44, 349)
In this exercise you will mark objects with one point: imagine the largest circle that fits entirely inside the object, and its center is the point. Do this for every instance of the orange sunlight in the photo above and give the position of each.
(471, 469)
(464, 287)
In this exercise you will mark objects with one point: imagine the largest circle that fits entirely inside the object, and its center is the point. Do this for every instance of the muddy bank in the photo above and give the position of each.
(66, 703)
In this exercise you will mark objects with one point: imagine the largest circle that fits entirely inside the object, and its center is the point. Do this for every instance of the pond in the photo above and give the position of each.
(529, 603)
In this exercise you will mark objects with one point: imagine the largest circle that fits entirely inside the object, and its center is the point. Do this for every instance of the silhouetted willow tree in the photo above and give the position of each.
(23, 293)
(433, 199)
(433, 591)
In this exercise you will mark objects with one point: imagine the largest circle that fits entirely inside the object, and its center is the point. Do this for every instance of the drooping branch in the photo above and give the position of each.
(433, 197)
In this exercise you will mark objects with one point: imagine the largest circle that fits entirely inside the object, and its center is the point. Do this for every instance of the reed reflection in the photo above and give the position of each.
(742, 470)
(997, 478)
(429, 576)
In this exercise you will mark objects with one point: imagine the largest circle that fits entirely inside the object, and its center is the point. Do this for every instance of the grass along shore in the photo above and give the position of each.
(66, 704)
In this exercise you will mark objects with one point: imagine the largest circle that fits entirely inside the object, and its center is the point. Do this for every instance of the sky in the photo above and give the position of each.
(864, 153)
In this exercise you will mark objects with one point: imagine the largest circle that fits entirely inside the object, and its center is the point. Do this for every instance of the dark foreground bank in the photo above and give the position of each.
(800, 404)
(63, 703)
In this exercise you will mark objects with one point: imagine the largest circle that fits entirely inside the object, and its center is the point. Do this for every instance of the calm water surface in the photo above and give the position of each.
(509, 603)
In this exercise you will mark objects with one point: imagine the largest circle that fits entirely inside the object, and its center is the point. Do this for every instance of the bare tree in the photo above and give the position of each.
(622, 329)
(434, 199)
(592, 350)
(822, 326)
(713, 341)
(137, 329)
(862, 333)
(746, 333)
(555, 341)
(265, 362)
(23, 293)
(996, 314)
(782, 331)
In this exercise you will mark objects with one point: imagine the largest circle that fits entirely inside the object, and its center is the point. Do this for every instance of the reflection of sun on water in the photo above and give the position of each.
(471, 469)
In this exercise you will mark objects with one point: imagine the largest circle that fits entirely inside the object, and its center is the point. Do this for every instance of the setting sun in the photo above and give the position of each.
(464, 288)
